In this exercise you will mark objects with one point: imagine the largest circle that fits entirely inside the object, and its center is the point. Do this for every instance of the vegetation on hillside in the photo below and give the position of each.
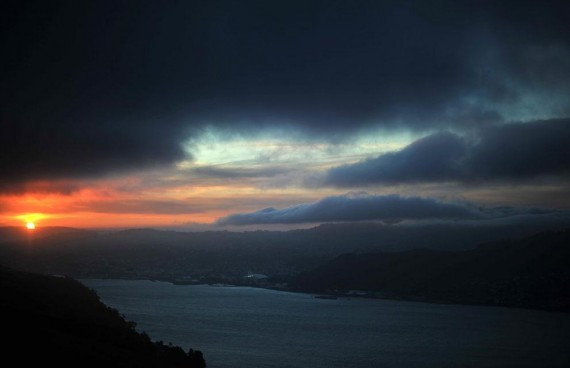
(57, 321)
(532, 272)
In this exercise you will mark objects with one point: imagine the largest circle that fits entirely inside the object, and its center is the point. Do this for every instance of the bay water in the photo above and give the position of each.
(253, 327)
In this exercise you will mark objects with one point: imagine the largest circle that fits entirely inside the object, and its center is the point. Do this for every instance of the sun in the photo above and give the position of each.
(30, 226)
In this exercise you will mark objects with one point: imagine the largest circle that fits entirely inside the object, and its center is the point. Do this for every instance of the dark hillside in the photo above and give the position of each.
(532, 272)
(56, 321)
(225, 255)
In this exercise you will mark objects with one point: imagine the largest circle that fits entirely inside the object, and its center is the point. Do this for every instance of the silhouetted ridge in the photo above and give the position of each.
(20, 233)
(56, 321)
(228, 256)
(532, 273)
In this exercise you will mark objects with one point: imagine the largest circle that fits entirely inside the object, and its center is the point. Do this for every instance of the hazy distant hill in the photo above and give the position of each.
(14, 234)
(56, 321)
(449, 267)
(146, 253)
(533, 272)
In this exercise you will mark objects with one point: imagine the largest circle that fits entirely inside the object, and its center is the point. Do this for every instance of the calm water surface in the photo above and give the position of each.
(249, 327)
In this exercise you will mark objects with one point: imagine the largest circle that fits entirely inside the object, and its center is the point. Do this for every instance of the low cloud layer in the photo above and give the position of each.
(364, 207)
(509, 153)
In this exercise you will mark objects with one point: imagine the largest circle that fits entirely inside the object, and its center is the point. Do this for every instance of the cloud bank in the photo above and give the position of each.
(362, 207)
(510, 152)
(93, 88)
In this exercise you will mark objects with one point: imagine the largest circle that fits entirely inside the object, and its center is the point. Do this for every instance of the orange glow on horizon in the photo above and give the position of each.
(30, 219)
(93, 220)
(117, 204)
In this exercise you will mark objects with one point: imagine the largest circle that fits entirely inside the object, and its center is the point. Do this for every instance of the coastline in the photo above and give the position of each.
(332, 295)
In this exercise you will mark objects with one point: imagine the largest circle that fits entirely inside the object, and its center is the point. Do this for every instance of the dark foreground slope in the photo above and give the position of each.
(533, 272)
(56, 321)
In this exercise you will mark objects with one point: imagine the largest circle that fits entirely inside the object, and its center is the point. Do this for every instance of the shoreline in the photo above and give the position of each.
(327, 295)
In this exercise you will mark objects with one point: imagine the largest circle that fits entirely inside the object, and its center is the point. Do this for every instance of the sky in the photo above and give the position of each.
(283, 114)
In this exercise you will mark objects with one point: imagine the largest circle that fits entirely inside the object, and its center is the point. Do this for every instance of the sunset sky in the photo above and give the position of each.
(201, 115)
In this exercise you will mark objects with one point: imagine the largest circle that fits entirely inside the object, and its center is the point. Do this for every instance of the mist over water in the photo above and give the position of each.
(249, 327)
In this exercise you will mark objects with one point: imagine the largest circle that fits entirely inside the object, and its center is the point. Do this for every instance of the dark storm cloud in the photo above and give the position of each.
(511, 153)
(359, 207)
(64, 187)
(90, 88)
(74, 150)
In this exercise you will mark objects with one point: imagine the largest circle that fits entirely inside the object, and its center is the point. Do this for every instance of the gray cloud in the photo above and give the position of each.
(510, 152)
(188, 206)
(391, 208)
(57, 150)
(358, 207)
(140, 206)
(433, 158)
(92, 88)
(222, 172)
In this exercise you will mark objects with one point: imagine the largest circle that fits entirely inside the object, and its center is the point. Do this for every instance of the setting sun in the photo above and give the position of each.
(30, 226)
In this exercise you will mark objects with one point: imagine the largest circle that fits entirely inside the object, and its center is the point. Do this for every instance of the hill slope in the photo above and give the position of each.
(532, 272)
(168, 255)
(56, 320)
